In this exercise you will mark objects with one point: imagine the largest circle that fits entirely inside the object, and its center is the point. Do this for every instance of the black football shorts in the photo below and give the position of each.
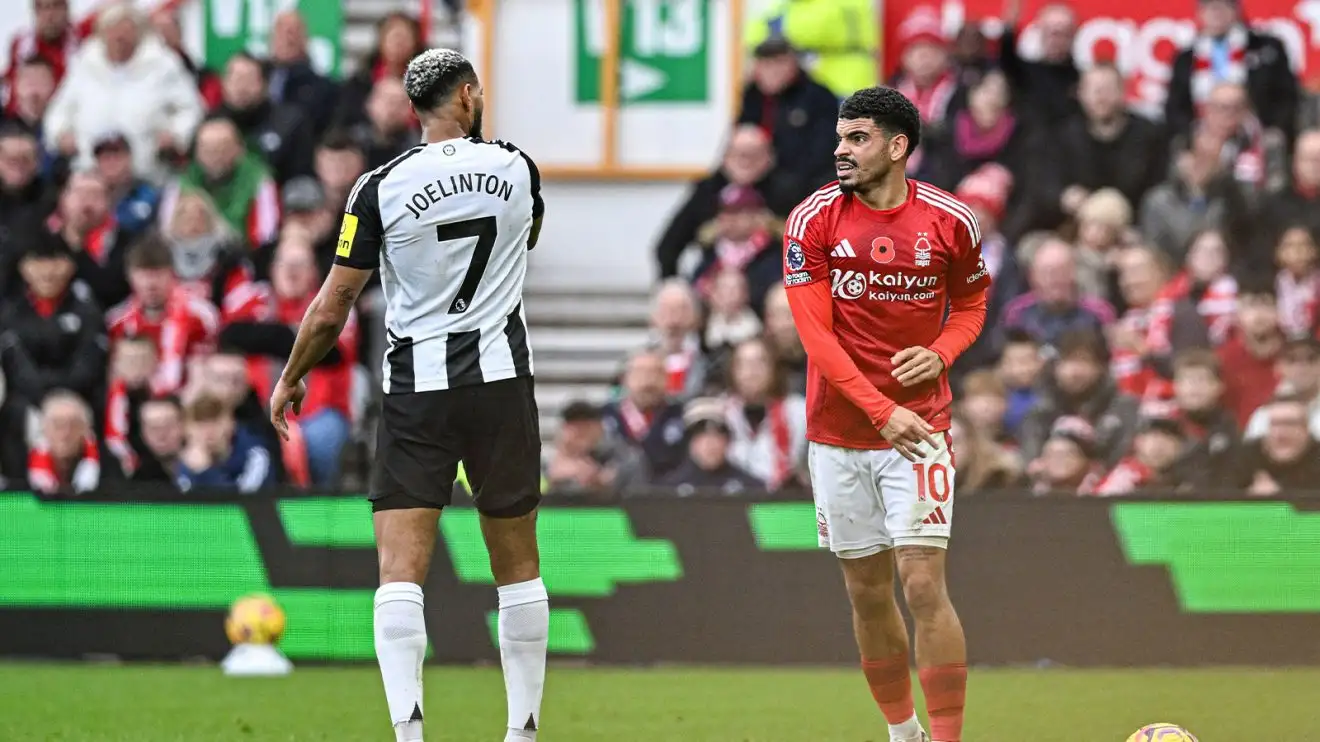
(493, 428)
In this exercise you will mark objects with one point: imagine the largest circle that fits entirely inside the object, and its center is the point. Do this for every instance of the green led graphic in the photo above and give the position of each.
(343, 522)
(585, 552)
(784, 526)
(1239, 557)
(97, 555)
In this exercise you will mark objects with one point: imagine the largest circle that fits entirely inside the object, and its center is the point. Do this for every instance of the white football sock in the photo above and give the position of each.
(524, 632)
(908, 731)
(400, 649)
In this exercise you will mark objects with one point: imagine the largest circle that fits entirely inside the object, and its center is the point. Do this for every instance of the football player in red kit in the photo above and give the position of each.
(887, 287)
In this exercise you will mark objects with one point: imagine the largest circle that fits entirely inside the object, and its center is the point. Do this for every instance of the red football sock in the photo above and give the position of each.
(946, 693)
(891, 686)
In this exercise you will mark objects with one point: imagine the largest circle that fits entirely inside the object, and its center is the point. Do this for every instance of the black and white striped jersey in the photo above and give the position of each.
(448, 225)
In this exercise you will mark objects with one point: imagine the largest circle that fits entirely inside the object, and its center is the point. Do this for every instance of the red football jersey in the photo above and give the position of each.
(891, 275)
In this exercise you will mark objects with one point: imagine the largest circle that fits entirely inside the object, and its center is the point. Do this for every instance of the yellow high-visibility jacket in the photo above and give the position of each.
(839, 38)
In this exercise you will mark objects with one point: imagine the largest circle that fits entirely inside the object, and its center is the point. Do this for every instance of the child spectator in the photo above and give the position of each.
(181, 326)
(1067, 463)
(730, 320)
(1211, 432)
(1150, 465)
(1019, 371)
(983, 464)
(66, 458)
(1298, 280)
(984, 404)
(217, 452)
(767, 425)
(708, 467)
(224, 375)
(1248, 357)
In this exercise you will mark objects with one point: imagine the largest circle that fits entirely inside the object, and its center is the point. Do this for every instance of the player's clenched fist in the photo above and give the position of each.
(916, 365)
(906, 431)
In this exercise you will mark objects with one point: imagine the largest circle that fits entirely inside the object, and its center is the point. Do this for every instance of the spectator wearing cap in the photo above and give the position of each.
(741, 238)
(926, 76)
(279, 133)
(236, 179)
(125, 80)
(65, 458)
(1286, 457)
(1099, 144)
(324, 424)
(1198, 194)
(1249, 357)
(707, 467)
(1298, 369)
(767, 423)
(52, 335)
(390, 128)
(210, 260)
(1299, 202)
(1067, 462)
(983, 464)
(1078, 384)
(840, 38)
(1055, 302)
(1227, 50)
(986, 191)
(676, 334)
(293, 79)
(1150, 467)
(1047, 84)
(84, 220)
(644, 418)
(180, 325)
(797, 112)
(133, 201)
(54, 39)
(398, 40)
(217, 452)
(581, 461)
(1211, 432)
(748, 160)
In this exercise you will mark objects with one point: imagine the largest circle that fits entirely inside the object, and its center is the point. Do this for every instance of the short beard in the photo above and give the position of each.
(475, 131)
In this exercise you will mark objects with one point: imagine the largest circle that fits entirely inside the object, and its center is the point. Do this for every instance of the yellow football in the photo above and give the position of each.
(1162, 733)
(255, 619)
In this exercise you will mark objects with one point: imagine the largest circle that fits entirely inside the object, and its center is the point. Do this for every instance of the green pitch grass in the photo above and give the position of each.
(89, 703)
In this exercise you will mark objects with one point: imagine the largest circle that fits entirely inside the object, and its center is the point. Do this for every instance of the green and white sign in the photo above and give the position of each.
(231, 26)
(663, 52)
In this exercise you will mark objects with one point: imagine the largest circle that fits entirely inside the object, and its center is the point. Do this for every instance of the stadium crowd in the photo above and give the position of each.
(1153, 325)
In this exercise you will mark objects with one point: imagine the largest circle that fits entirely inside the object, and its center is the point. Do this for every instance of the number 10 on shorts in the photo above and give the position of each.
(932, 480)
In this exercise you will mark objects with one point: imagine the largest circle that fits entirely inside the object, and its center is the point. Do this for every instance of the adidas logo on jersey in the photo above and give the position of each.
(843, 250)
(936, 518)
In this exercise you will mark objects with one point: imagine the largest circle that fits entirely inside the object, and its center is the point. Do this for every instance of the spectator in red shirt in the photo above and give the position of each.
(1150, 466)
(1249, 357)
(181, 324)
(66, 459)
(132, 363)
(53, 38)
(325, 421)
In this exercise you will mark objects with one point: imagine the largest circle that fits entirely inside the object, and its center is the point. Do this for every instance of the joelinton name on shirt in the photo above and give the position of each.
(433, 193)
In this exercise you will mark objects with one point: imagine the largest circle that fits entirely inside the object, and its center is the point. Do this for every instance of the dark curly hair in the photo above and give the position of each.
(891, 111)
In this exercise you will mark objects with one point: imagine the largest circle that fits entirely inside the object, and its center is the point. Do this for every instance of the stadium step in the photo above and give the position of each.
(588, 309)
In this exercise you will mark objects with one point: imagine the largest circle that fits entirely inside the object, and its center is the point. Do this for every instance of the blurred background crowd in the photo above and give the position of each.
(1153, 326)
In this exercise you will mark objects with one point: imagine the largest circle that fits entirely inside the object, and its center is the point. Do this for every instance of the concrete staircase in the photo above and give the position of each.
(579, 342)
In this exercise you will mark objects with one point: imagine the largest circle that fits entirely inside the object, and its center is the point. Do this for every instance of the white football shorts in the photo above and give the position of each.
(868, 501)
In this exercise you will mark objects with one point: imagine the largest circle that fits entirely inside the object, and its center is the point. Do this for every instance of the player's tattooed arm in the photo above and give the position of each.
(345, 295)
(324, 320)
